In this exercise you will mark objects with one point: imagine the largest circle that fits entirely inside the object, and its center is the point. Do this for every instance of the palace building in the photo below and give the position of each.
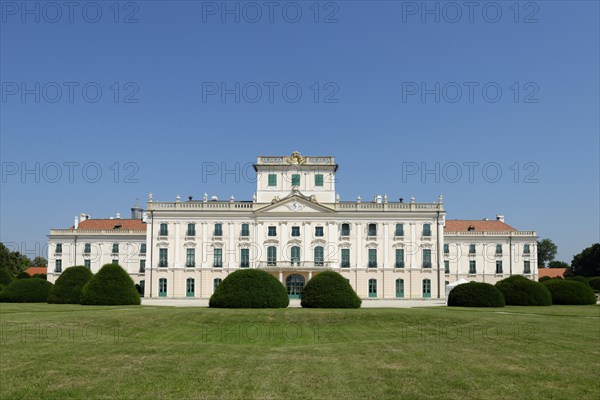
(294, 227)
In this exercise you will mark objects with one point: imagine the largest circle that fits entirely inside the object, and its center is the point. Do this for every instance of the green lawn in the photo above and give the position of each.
(69, 351)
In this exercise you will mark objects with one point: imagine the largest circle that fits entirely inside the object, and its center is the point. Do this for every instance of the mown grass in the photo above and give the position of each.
(70, 351)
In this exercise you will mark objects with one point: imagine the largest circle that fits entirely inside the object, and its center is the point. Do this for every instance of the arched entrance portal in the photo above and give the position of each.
(295, 286)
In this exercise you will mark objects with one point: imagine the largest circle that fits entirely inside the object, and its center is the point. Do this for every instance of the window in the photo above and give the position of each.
(191, 230)
(426, 229)
(426, 258)
(272, 231)
(58, 266)
(190, 287)
(372, 258)
(472, 267)
(526, 249)
(163, 231)
(162, 287)
(295, 179)
(218, 258)
(87, 264)
(399, 288)
(319, 256)
(319, 180)
(218, 230)
(471, 249)
(216, 283)
(499, 249)
(142, 286)
(319, 231)
(345, 229)
(446, 248)
(244, 258)
(163, 258)
(372, 230)
(295, 255)
(143, 248)
(58, 249)
(372, 287)
(426, 288)
(526, 267)
(295, 231)
(190, 258)
(115, 248)
(498, 266)
(399, 230)
(245, 230)
(142, 265)
(399, 258)
(87, 248)
(446, 266)
(271, 255)
(272, 180)
(345, 258)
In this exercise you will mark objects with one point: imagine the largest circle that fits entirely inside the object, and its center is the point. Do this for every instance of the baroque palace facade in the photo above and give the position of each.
(294, 227)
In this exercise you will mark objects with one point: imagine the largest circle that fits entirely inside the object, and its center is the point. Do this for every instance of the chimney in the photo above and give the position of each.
(82, 217)
(500, 217)
(118, 216)
(76, 224)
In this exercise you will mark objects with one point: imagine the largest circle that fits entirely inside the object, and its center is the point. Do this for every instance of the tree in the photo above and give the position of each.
(546, 251)
(558, 264)
(40, 262)
(587, 263)
(13, 261)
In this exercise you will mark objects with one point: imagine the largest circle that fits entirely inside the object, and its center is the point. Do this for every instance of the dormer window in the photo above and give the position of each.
(471, 228)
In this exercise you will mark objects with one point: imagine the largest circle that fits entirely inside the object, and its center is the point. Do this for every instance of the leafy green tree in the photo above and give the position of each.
(558, 264)
(40, 262)
(546, 251)
(13, 261)
(587, 263)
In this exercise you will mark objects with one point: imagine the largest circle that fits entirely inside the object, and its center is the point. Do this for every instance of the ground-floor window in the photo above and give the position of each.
(190, 287)
(162, 287)
(216, 283)
(372, 287)
(426, 288)
(399, 288)
(142, 287)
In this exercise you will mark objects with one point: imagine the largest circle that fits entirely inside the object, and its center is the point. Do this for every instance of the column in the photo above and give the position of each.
(305, 242)
(385, 244)
(177, 245)
(413, 239)
(358, 231)
(204, 244)
(231, 250)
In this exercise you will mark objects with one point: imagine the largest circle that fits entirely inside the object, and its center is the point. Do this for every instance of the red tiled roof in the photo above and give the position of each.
(110, 224)
(36, 270)
(462, 225)
(551, 272)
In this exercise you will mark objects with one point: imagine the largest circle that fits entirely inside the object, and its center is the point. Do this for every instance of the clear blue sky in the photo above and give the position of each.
(369, 60)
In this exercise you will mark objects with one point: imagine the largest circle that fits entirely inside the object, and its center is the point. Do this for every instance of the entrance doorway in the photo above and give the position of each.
(295, 286)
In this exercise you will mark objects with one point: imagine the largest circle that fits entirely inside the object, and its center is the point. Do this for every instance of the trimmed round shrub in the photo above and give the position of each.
(581, 279)
(26, 291)
(40, 276)
(570, 292)
(23, 275)
(250, 288)
(475, 294)
(544, 279)
(520, 291)
(595, 283)
(6, 277)
(67, 288)
(111, 286)
(329, 290)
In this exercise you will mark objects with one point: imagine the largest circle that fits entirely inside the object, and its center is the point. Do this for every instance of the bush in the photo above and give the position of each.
(520, 291)
(6, 277)
(110, 286)
(26, 291)
(329, 290)
(544, 279)
(250, 288)
(595, 283)
(581, 279)
(23, 275)
(570, 292)
(67, 288)
(475, 294)
(40, 276)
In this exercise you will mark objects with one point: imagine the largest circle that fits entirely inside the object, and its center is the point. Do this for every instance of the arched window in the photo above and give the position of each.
(115, 248)
(372, 287)
(345, 230)
(372, 230)
(162, 287)
(271, 255)
(87, 248)
(399, 288)
(319, 256)
(499, 249)
(426, 288)
(190, 287)
(295, 255)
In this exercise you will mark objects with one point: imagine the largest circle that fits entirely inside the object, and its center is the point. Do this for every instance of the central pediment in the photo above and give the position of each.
(295, 203)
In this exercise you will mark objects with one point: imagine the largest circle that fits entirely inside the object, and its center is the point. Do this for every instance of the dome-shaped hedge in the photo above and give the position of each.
(112, 285)
(250, 288)
(67, 288)
(520, 291)
(6, 277)
(329, 290)
(475, 294)
(595, 283)
(23, 275)
(570, 292)
(26, 291)
(579, 278)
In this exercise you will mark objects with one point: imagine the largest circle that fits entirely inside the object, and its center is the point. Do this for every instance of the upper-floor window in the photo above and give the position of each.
(498, 249)
(218, 230)
(471, 249)
(295, 231)
(87, 248)
(399, 230)
(399, 258)
(345, 229)
(271, 255)
(244, 258)
(319, 231)
(319, 256)
(318, 179)
(295, 179)
(272, 231)
(499, 266)
(472, 267)
(115, 248)
(345, 258)
(272, 180)
(245, 230)
(372, 258)
(526, 249)
(57, 265)
(190, 258)
(218, 258)
(58, 249)
(142, 265)
(87, 264)
(526, 267)
(372, 230)
(426, 258)
(163, 258)
(163, 231)
(426, 229)
(446, 248)
(191, 230)
(143, 248)
(446, 266)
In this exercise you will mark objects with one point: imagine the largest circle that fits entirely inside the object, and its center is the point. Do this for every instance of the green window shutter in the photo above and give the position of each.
(318, 179)
(272, 180)
(295, 179)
